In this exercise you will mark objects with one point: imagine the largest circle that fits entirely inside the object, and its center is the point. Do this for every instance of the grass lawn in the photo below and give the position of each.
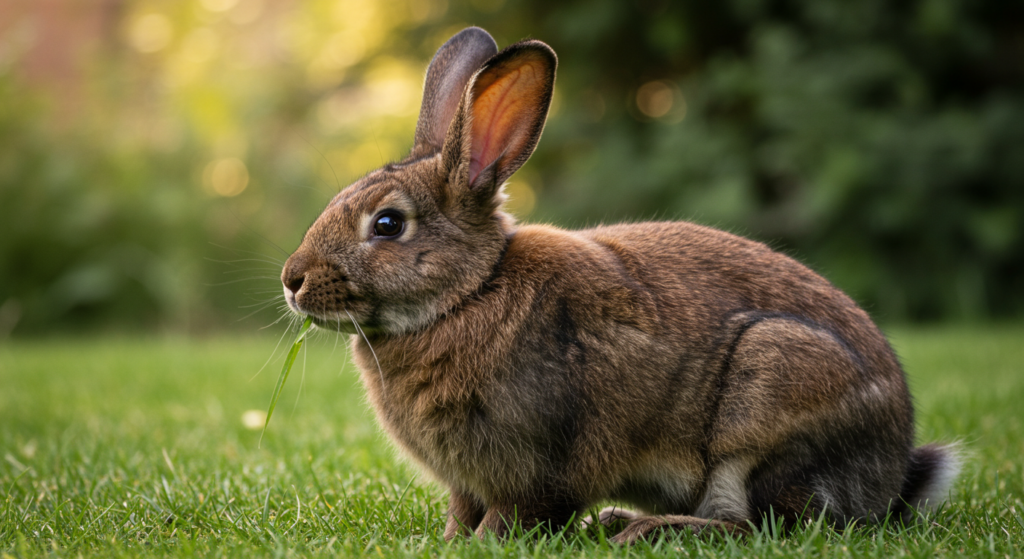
(139, 447)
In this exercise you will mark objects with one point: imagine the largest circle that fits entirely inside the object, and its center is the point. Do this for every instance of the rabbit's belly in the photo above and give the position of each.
(662, 487)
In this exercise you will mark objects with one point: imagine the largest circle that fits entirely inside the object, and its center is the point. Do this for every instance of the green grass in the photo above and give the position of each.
(132, 447)
(286, 368)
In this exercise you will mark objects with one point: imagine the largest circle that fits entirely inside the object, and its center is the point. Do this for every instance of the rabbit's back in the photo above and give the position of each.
(709, 285)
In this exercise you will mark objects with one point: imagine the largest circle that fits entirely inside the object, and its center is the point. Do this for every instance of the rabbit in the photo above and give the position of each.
(536, 372)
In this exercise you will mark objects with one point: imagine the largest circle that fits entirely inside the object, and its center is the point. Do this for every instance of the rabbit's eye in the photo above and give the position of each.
(388, 225)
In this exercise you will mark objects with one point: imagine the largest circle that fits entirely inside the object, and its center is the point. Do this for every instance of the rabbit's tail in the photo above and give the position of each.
(930, 472)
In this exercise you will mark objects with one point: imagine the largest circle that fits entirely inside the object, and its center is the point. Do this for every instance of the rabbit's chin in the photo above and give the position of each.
(345, 326)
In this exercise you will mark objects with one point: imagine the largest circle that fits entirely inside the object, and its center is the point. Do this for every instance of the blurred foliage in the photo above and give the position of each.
(880, 142)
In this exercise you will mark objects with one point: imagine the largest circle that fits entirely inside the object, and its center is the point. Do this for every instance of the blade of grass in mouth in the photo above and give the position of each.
(288, 362)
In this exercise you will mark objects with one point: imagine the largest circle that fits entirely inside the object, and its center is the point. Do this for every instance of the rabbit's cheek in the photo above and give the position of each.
(398, 318)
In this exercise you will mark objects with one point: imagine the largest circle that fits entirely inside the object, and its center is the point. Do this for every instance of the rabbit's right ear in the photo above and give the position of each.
(500, 119)
(449, 72)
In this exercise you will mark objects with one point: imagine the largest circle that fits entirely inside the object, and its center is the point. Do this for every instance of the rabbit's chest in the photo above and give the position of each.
(489, 439)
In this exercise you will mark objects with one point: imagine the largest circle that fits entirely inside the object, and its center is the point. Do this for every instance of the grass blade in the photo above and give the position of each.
(288, 362)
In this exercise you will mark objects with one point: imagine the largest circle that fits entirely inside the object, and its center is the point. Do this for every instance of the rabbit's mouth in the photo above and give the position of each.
(344, 321)
(350, 314)
(345, 326)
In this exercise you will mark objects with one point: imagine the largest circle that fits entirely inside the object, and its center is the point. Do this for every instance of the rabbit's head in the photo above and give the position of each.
(409, 241)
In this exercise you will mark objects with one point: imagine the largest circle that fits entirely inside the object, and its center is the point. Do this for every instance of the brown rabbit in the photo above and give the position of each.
(536, 372)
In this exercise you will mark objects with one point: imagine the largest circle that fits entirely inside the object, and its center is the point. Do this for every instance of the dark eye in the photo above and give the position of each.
(388, 225)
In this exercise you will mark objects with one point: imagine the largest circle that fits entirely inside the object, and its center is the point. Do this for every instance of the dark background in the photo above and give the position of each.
(159, 159)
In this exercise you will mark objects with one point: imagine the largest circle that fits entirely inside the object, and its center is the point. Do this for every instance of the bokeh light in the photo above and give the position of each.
(226, 177)
(151, 33)
(659, 99)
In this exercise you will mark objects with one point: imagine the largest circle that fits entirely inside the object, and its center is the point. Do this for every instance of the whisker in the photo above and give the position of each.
(275, 276)
(263, 306)
(376, 143)
(282, 317)
(302, 379)
(260, 254)
(260, 303)
(263, 259)
(272, 270)
(269, 359)
(259, 296)
(256, 299)
(239, 280)
(337, 336)
(257, 233)
(337, 182)
(374, 353)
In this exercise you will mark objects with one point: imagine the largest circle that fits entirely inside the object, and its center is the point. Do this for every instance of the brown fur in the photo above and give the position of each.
(536, 371)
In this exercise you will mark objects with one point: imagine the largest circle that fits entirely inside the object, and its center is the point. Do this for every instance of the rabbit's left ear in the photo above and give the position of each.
(501, 117)
(451, 69)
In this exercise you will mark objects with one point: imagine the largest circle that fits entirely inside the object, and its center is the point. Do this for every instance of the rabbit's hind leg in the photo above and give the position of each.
(646, 527)
(724, 506)
(826, 426)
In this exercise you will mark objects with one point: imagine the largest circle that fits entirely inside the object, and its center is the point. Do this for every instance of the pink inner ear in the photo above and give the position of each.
(500, 112)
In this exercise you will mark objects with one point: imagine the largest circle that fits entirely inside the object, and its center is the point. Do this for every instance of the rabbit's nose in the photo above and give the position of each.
(294, 283)
(294, 273)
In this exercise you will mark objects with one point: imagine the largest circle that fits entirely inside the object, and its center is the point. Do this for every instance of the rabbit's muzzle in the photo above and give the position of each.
(314, 287)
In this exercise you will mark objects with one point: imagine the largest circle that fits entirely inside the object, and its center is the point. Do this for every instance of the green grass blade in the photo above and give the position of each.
(288, 362)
